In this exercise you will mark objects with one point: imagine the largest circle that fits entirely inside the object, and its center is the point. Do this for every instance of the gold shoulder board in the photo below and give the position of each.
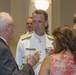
(25, 36)
(50, 37)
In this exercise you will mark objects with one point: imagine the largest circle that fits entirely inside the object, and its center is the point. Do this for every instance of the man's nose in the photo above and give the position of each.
(36, 24)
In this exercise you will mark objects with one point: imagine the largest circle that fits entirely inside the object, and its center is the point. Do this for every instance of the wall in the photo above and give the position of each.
(56, 17)
(19, 10)
(68, 9)
(5, 6)
(62, 12)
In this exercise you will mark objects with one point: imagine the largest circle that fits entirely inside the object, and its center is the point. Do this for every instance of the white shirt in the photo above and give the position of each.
(36, 42)
(4, 40)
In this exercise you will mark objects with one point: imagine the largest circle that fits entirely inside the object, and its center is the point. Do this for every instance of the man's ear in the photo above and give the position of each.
(46, 23)
(8, 28)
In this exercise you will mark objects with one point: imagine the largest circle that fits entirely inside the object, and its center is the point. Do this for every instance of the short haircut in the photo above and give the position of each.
(41, 12)
(5, 18)
(28, 18)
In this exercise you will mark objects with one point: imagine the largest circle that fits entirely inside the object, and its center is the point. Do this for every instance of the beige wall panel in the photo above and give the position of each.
(19, 10)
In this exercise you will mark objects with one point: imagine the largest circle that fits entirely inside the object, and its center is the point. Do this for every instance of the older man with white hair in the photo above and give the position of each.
(8, 65)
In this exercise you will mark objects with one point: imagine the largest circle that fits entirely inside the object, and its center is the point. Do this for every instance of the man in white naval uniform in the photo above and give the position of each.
(39, 40)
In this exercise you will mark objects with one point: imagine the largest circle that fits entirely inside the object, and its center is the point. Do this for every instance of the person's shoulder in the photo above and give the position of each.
(50, 37)
(23, 37)
(47, 60)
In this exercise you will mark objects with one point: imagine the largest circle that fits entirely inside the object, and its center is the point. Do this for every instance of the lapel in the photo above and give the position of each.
(11, 56)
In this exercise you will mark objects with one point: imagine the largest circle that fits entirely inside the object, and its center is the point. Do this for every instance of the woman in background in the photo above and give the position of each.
(63, 59)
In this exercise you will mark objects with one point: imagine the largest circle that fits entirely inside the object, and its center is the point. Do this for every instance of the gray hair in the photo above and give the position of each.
(5, 19)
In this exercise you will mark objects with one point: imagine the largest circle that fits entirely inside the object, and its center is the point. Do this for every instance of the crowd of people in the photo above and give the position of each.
(34, 46)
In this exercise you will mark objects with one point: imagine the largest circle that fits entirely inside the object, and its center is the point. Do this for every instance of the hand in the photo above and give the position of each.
(34, 58)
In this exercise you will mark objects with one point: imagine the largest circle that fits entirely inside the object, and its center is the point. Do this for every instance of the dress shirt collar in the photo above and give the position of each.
(4, 40)
(40, 37)
(29, 32)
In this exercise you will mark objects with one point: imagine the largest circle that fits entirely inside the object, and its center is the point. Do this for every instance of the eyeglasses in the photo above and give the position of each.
(13, 25)
(28, 23)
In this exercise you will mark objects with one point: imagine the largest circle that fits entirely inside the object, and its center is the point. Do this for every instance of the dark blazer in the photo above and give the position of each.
(8, 65)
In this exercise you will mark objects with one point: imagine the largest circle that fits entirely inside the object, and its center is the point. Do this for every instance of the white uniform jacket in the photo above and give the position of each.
(29, 44)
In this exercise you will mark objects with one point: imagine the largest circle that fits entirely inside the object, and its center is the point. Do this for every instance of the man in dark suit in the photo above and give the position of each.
(8, 65)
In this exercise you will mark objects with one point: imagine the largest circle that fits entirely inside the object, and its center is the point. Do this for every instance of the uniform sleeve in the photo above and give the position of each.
(29, 69)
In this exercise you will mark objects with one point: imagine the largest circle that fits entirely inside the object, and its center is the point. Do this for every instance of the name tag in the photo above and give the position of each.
(31, 49)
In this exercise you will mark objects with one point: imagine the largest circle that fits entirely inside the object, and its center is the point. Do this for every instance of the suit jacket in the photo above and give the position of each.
(8, 65)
